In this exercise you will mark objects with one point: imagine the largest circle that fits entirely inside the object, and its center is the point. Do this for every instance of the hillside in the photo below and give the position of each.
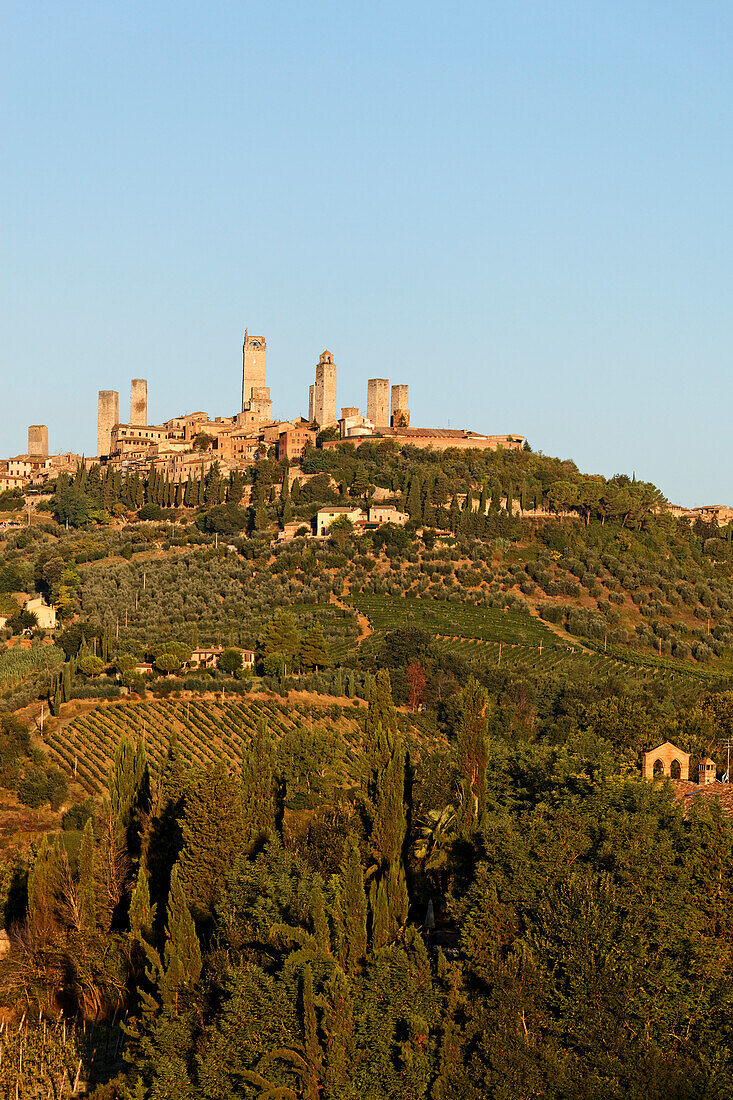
(402, 850)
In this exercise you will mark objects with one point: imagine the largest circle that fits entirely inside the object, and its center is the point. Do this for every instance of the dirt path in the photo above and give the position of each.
(364, 626)
(569, 639)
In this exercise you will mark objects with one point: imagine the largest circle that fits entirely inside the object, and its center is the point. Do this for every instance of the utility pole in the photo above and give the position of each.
(728, 745)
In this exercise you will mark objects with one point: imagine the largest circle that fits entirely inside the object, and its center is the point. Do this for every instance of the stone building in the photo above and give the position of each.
(707, 771)
(45, 614)
(293, 439)
(255, 392)
(666, 761)
(352, 424)
(378, 401)
(324, 392)
(138, 402)
(387, 513)
(38, 440)
(108, 414)
(326, 516)
(400, 414)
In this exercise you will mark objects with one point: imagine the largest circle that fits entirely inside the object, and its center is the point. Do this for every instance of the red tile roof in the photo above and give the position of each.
(687, 792)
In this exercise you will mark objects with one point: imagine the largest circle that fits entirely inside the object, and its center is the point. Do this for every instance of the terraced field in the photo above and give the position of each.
(206, 732)
(514, 640)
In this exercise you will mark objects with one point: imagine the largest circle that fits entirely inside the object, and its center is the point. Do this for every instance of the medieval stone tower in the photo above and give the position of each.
(400, 417)
(108, 414)
(38, 440)
(323, 397)
(378, 402)
(139, 402)
(255, 394)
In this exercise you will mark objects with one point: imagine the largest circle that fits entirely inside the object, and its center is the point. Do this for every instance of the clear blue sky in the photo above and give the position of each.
(521, 209)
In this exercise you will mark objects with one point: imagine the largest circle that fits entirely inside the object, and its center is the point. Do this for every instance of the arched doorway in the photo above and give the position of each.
(675, 769)
(658, 769)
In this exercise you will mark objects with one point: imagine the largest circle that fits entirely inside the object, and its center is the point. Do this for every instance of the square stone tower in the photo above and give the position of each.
(38, 441)
(400, 407)
(139, 402)
(378, 402)
(253, 370)
(324, 393)
(108, 414)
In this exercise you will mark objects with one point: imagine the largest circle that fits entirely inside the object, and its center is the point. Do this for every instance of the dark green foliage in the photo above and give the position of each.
(384, 801)
(261, 794)
(214, 830)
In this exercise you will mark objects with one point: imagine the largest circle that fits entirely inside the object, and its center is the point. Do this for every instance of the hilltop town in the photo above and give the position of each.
(189, 445)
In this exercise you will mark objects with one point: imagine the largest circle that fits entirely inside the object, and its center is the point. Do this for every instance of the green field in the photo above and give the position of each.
(453, 620)
(516, 640)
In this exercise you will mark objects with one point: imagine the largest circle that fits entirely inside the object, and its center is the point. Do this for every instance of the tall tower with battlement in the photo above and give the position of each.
(255, 394)
(324, 392)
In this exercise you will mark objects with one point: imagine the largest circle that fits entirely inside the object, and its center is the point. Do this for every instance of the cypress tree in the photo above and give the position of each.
(261, 793)
(129, 783)
(286, 508)
(337, 1024)
(413, 503)
(454, 515)
(384, 791)
(295, 491)
(213, 830)
(182, 955)
(311, 1045)
(142, 913)
(352, 908)
(66, 677)
(472, 753)
(43, 884)
(87, 888)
